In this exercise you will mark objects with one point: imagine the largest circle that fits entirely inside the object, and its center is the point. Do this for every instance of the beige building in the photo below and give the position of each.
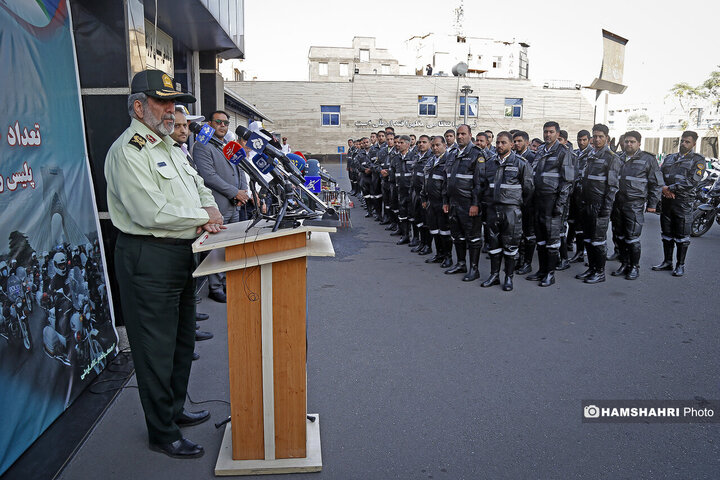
(319, 117)
(338, 64)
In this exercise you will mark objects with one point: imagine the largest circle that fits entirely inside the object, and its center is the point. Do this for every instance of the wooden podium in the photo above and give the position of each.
(270, 430)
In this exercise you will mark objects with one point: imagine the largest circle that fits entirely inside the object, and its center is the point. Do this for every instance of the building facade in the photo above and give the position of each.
(337, 64)
(319, 117)
(485, 57)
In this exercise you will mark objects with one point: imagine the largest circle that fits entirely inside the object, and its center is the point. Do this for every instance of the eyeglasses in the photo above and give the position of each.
(222, 122)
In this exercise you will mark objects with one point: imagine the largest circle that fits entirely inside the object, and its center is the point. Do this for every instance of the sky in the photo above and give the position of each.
(669, 42)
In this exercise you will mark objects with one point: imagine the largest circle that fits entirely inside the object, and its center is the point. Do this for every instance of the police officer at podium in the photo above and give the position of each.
(160, 205)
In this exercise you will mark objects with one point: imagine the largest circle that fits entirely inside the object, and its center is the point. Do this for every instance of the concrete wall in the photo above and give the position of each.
(371, 101)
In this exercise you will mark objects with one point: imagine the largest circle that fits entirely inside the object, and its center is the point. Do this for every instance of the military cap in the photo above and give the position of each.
(158, 84)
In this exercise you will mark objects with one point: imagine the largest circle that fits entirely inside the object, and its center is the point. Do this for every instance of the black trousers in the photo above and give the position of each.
(417, 212)
(403, 203)
(504, 223)
(594, 226)
(386, 189)
(548, 227)
(528, 222)
(437, 220)
(627, 220)
(463, 227)
(676, 220)
(157, 294)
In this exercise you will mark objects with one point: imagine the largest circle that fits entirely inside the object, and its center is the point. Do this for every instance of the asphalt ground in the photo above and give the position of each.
(416, 374)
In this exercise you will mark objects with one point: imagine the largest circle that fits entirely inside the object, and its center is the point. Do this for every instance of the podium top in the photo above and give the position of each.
(235, 234)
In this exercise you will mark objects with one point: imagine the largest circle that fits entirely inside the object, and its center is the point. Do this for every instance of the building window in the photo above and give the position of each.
(523, 65)
(364, 55)
(427, 105)
(497, 62)
(330, 115)
(344, 70)
(323, 69)
(513, 107)
(385, 70)
(472, 106)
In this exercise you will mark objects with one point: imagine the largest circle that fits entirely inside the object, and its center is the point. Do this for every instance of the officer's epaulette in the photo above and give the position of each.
(137, 141)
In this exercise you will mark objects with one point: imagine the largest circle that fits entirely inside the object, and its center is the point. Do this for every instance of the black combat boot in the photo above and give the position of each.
(473, 273)
(425, 241)
(600, 256)
(542, 268)
(446, 243)
(439, 255)
(633, 250)
(682, 249)
(460, 266)
(564, 263)
(591, 264)
(552, 259)
(415, 236)
(579, 249)
(616, 250)
(667, 263)
(623, 257)
(386, 217)
(526, 265)
(509, 270)
(494, 278)
(405, 232)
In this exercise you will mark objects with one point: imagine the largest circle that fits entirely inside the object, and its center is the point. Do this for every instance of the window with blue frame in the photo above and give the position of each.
(330, 115)
(472, 103)
(514, 107)
(427, 105)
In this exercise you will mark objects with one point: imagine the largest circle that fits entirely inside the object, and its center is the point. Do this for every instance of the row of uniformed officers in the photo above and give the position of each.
(448, 188)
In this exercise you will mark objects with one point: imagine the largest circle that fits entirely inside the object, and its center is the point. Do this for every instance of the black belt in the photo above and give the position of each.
(163, 240)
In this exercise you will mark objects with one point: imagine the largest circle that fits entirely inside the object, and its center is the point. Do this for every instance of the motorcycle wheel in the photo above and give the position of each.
(29, 301)
(701, 222)
(26, 336)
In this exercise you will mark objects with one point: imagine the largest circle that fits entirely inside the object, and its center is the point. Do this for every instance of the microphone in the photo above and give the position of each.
(232, 151)
(326, 177)
(261, 144)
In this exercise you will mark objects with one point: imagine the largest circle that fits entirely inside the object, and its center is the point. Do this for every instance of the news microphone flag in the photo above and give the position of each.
(314, 184)
(205, 134)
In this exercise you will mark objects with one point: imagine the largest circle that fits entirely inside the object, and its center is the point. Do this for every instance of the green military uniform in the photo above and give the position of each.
(156, 199)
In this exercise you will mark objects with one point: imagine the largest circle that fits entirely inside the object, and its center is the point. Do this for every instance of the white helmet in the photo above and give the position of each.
(60, 262)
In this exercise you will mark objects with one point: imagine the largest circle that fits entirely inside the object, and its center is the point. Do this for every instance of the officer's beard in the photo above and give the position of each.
(684, 150)
(160, 125)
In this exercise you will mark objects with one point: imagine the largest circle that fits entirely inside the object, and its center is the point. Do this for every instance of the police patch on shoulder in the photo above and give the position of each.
(138, 141)
(481, 159)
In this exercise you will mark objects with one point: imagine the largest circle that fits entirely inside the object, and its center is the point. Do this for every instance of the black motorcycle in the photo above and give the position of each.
(707, 213)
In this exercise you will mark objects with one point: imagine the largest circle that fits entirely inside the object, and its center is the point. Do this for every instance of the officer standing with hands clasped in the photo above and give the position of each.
(599, 183)
(461, 201)
(681, 172)
(640, 184)
(507, 185)
(160, 205)
(554, 176)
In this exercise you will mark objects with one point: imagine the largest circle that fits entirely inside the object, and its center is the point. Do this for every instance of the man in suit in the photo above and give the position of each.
(228, 184)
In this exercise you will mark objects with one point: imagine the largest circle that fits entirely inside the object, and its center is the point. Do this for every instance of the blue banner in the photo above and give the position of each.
(56, 323)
